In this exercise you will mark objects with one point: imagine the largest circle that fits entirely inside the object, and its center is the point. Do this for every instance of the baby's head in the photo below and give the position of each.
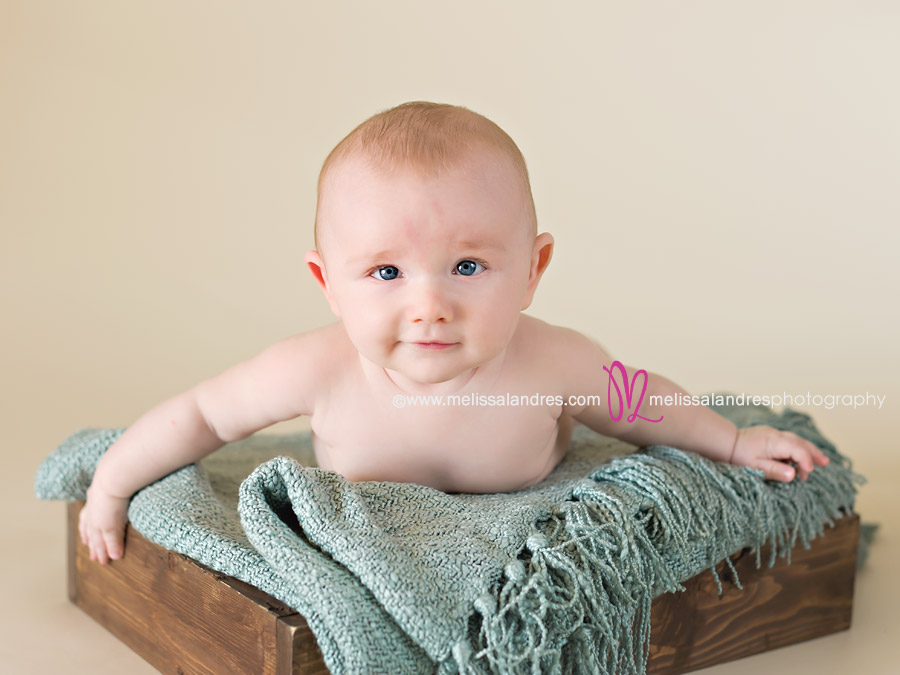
(427, 139)
(426, 236)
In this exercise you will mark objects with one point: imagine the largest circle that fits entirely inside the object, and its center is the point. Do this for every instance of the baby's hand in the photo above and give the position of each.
(102, 525)
(765, 448)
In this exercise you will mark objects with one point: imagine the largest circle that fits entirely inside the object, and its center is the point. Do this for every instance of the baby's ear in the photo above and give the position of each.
(317, 267)
(540, 258)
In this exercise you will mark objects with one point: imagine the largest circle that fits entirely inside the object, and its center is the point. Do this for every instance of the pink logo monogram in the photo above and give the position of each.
(629, 393)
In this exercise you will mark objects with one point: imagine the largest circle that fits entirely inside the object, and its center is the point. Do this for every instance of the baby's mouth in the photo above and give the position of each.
(434, 345)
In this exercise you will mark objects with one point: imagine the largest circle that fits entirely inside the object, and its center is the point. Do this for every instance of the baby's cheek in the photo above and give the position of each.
(500, 325)
(365, 335)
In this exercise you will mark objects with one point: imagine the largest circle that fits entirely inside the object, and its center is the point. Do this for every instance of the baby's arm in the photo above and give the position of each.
(688, 427)
(271, 387)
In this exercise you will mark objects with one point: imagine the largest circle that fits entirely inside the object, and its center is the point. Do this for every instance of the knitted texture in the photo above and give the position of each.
(401, 578)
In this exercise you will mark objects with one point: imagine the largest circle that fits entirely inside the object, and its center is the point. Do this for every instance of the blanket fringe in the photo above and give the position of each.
(578, 597)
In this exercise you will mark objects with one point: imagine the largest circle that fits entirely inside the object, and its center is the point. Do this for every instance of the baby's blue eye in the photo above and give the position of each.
(386, 272)
(469, 267)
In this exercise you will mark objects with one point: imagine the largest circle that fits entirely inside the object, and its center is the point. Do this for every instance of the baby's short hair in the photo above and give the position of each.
(427, 137)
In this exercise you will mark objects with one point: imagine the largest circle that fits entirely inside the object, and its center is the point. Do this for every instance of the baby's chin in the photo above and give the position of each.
(426, 376)
(430, 374)
(412, 368)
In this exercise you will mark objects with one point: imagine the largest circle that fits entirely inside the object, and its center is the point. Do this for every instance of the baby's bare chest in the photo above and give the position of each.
(466, 443)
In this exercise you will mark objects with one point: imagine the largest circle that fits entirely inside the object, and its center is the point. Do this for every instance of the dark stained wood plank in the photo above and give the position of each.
(72, 542)
(185, 618)
(779, 606)
(298, 652)
(180, 616)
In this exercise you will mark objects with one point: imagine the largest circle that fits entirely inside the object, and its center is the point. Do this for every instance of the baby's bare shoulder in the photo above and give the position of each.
(300, 368)
(544, 340)
(562, 358)
(317, 351)
(281, 382)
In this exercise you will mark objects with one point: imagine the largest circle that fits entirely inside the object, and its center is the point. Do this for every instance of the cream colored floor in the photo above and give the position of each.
(42, 633)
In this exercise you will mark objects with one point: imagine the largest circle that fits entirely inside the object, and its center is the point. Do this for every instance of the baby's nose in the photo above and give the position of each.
(430, 304)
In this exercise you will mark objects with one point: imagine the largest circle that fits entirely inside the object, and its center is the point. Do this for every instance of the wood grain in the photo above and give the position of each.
(187, 619)
(779, 606)
(184, 618)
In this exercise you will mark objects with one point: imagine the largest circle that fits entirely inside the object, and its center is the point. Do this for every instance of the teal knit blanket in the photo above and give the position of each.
(399, 578)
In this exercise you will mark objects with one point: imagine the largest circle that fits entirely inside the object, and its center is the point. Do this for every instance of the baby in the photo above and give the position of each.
(427, 251)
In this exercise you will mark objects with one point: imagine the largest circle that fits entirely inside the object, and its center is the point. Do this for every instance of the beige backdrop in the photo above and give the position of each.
(721, 179)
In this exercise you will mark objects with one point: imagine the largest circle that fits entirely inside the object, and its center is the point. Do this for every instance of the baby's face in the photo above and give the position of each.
(429, 274)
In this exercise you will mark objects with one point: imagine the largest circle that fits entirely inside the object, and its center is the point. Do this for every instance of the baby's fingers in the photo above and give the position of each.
(114, 542)
(805, 454)
(82, 528)
(819, 457)
(103, 545)
(97, 547)
(775, 470)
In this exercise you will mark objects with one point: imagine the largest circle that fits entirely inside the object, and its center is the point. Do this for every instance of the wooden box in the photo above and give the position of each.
(185, 618)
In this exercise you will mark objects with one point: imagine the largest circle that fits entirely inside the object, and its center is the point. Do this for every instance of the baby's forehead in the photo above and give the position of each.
(361, 164)
(484, 177)
(364, 208)
(482, 181)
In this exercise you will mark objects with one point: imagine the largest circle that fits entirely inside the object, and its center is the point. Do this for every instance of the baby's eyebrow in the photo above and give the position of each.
(481, 246)
(467, 247)
(386, 254)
